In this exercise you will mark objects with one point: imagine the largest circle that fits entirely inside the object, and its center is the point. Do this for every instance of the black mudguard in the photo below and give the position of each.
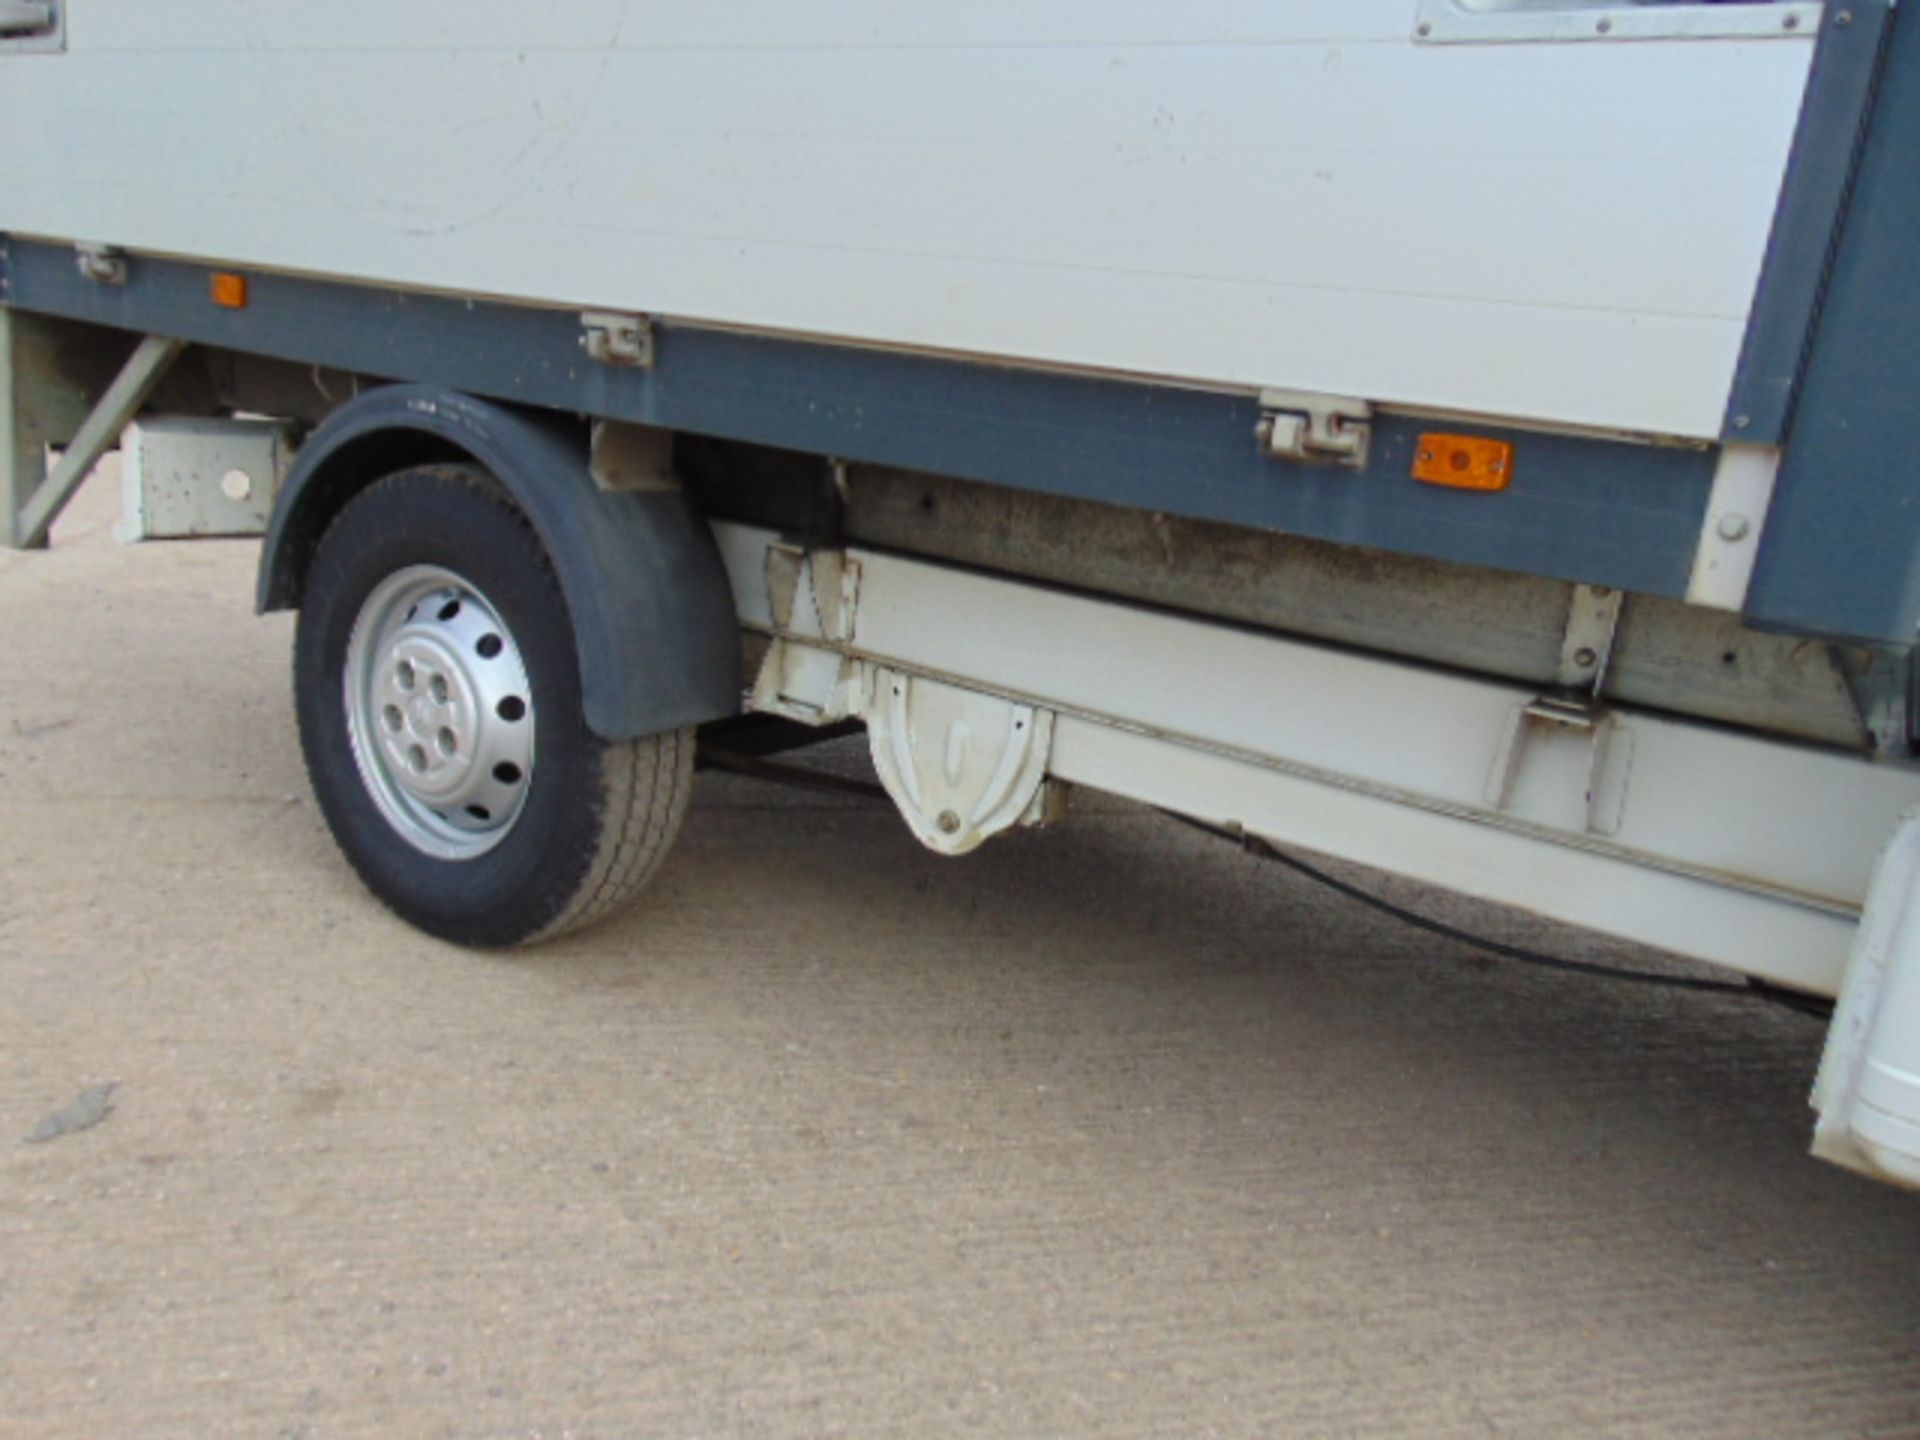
(653, 612)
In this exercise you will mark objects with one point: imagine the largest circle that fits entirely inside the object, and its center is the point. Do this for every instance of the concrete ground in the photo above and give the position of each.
(1105, 1132)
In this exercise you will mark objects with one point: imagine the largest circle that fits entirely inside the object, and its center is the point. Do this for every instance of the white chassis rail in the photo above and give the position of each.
(984, 697)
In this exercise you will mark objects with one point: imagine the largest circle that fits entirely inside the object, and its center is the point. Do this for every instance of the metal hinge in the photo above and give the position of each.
(615, 339)
(1317, 429)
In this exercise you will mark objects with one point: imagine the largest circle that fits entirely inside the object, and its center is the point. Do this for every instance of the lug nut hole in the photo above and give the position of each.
(507, 773)
(512, 709)
(489, 646)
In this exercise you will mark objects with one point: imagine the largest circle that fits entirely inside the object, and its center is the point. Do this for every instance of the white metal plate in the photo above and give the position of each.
(1454, 22)
(1736, 516)
(192, 477)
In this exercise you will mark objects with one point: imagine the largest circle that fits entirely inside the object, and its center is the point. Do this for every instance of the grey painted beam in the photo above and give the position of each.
(1800, 252)
(1600, 511)
(1841, 552)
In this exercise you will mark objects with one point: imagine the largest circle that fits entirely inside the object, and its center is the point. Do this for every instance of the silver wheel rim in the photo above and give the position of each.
(440, 712)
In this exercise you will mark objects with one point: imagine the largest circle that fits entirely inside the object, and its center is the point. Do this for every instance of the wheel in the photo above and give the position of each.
(437, 688)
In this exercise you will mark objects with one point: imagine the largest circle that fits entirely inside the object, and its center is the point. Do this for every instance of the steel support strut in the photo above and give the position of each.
(35, 503)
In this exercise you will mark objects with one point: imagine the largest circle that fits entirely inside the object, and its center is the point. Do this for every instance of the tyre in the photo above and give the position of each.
(437, 688)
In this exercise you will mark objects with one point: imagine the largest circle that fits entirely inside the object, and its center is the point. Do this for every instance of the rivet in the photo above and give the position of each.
(1791, 22)
(1734, 527)
(1585, 657)
(1604, 27)
(948, 822)
(1845, 17)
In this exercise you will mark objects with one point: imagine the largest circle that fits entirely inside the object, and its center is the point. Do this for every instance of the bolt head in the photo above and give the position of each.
(1585, 656)
(1734, 527)
(948, 823)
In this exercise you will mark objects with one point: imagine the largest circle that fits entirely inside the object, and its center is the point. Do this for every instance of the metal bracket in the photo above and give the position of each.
(185, 476)
(814, 594)
(1314, 429)
(1593, 620)
(1586, 647)
(813, 598)
(1743, 484)
(102, 264)
(631, 459)
(1609, 758)
(961, 765)
(616, 339)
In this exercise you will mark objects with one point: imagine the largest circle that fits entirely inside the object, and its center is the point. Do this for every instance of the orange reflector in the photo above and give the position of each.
(230, 291)
(1463, 462)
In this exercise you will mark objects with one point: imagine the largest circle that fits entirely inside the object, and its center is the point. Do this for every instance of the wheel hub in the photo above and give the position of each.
(441, 712)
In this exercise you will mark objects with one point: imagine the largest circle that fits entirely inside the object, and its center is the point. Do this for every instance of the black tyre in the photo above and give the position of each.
(437, 688)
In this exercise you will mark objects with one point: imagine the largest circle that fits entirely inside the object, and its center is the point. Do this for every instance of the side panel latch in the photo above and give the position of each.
(1315, 429)
(102, 264)
(614, 339)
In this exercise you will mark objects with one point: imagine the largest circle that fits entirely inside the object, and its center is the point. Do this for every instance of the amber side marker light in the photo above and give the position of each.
(1463, 462)
(230, 291)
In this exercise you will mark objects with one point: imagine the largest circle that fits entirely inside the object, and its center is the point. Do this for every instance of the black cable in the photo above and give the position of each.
(1254, 845)
(796, 776)
(1813, 1005)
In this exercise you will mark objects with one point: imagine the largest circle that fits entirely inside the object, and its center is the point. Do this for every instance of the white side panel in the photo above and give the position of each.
(1246, 193)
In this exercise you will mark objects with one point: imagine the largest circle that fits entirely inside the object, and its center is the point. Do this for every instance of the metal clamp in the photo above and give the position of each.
(102, 264)
(616, 339)
(1314, 429)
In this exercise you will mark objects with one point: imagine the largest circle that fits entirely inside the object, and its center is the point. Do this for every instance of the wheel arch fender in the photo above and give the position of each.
(651, 607)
